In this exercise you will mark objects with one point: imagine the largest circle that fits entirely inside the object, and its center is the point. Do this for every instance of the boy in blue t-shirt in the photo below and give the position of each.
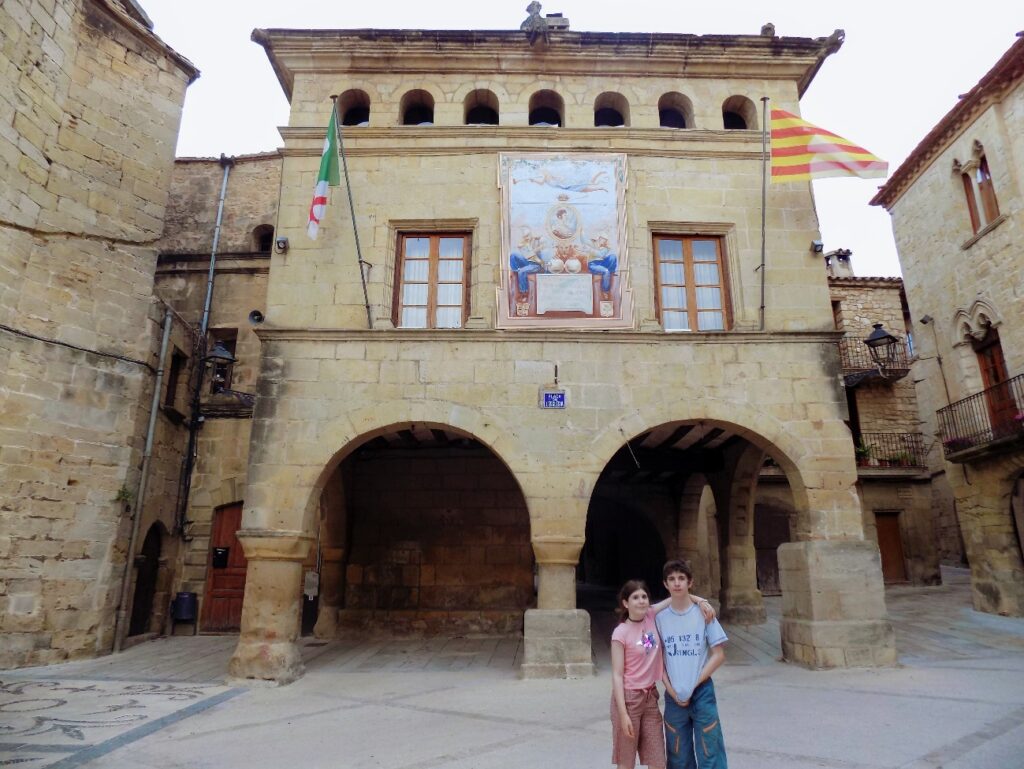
(693, 731)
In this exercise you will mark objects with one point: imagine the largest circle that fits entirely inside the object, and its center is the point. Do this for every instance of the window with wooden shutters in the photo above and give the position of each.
(432, 280)
(691, 283)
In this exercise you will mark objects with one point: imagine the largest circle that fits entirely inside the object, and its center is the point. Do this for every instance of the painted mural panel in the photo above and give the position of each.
(563, 241)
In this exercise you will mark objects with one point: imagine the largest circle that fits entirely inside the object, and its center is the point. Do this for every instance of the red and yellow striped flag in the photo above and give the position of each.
(803, 151)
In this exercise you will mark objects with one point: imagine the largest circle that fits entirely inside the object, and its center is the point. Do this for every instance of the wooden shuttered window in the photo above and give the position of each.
(431, 286)
(691, 283)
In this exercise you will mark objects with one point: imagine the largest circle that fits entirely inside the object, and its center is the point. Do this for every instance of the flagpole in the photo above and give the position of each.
(764, 194)
(352, 210)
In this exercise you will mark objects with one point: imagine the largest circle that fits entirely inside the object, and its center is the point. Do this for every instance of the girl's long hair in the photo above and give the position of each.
(621, 612)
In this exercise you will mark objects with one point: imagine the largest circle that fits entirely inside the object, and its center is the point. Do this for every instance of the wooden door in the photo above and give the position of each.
(890, 545)
(225, 573)
(999, 399)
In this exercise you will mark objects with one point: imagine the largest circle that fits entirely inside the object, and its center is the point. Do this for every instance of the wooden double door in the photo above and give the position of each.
(225, 573)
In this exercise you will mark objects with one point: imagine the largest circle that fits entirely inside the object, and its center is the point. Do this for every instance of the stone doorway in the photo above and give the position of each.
(423, 532)
(147, 577)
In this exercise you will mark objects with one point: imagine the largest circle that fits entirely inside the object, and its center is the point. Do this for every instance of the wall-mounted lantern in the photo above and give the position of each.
(883, 347)
(220, 360)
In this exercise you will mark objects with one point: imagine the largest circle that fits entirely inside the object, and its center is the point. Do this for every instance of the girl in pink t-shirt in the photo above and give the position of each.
(637, 667)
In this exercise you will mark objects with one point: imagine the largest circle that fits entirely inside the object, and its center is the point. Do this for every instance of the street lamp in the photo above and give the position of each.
(883, 346)
(219, 359)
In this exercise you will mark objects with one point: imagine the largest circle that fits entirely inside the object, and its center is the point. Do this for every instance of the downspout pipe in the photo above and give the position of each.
(226, 164)
(120, 625)
(195, 420)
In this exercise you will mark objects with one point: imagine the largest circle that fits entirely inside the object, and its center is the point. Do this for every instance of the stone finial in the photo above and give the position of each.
(534, 26)
(768, 30)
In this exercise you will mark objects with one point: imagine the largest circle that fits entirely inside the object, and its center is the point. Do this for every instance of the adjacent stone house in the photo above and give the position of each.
(958, 213)
(91, 100)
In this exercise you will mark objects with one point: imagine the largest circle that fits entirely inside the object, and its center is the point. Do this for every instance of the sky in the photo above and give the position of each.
(902, 67)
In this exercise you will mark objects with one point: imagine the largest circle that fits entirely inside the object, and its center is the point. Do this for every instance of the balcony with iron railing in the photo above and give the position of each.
(890, 450)
(859, 365)
(989, 421)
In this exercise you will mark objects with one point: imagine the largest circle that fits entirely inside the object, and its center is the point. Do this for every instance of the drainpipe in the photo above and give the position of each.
(195, 420)
(120, 628)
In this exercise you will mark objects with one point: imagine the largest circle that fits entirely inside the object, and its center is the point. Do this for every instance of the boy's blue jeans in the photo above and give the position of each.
(693, 735)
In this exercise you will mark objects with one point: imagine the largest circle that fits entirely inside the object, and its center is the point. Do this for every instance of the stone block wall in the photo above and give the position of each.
(437, 544)
(250, 201)
(91, 102)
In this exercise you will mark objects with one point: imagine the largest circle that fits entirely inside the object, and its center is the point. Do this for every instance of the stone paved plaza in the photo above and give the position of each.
(955, 701)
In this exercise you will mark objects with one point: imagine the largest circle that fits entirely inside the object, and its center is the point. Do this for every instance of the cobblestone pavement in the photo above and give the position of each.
(956, 701)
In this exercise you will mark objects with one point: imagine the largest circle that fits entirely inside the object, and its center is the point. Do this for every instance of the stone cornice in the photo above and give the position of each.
(1006, 73)
(271, 334)
(754, 57)
(475, 140)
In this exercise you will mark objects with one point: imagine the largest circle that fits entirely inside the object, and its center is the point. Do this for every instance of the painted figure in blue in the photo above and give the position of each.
(526, 260)
(603, 262)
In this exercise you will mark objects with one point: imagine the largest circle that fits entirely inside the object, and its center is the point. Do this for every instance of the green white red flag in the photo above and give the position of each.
(801, 151)
(328, 176)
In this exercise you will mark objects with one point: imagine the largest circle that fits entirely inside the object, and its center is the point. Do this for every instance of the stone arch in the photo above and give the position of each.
(354, 107)
(151, 577)
(422, 528)
(545, 105)
(756, 426)
(611, 109)
(416, 108)
(361, 425)
(974, 322)
(481, 107)
(675, 111)
(739, 112)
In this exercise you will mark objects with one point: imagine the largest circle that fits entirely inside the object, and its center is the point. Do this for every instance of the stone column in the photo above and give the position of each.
(272, 608)
(332, 586)
(833, 605)
(741, 601)
(736, 489)
(556, 635)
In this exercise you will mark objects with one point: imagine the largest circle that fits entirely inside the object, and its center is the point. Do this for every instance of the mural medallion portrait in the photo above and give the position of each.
(563, 241)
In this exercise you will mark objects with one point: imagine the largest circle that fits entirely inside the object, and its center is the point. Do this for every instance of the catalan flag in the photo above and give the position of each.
(802, 151)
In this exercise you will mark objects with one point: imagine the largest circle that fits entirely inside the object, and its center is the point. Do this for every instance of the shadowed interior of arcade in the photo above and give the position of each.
(423, 530)
(698, 491)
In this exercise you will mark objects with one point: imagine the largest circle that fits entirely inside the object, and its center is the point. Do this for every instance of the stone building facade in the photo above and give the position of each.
(245, 242)
(415, 466)
(958, 213)
(91, 100)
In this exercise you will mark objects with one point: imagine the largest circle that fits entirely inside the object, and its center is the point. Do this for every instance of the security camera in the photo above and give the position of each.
(281, 243)
(255, 317)
(926, 319)
(817, 246)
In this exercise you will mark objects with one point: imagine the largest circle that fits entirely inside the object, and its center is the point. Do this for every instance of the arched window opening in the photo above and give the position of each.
(481, 108)
(417, 108)
(739, 113)
(354, 108)
(611, 110)
(263, 239)
(675, 111)
(546, 109)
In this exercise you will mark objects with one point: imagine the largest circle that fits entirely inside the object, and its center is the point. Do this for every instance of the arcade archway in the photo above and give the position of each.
(423, 530)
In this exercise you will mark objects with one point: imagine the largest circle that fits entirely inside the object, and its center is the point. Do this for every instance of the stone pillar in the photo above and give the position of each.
(993, 551)
(833, 605)
(556, 635)
(736, 492)
(332, 587)
(741, 601)
(272, 608)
